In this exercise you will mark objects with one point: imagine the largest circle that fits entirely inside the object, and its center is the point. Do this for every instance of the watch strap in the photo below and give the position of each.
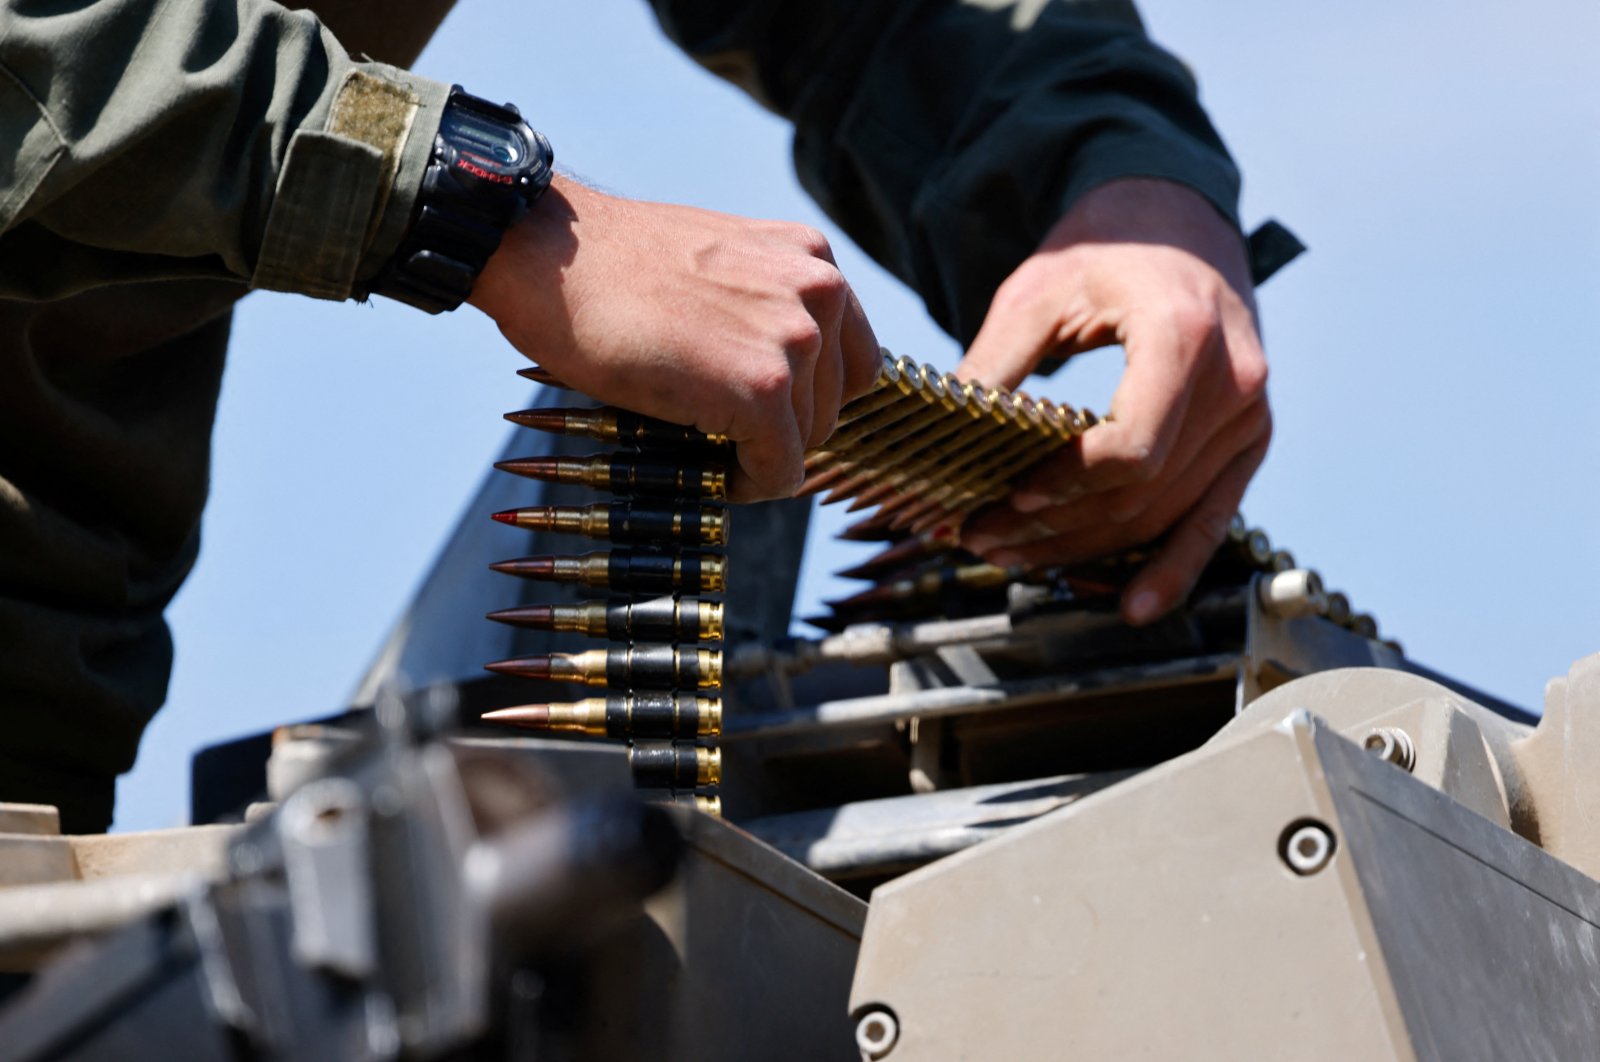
(458, 222)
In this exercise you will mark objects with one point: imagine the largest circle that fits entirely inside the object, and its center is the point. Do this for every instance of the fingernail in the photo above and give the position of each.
(1144, 607)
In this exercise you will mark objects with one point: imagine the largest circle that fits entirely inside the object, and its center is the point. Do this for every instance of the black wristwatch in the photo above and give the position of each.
(488, 167)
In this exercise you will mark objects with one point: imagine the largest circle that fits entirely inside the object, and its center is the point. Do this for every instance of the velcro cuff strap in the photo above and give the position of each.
(317, 228)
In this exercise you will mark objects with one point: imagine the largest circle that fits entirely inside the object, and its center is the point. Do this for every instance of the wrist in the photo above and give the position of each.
(486, 168)
(529, 261)
(1156, 211)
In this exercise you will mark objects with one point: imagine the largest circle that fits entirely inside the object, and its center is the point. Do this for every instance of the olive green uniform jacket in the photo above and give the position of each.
(161, 158)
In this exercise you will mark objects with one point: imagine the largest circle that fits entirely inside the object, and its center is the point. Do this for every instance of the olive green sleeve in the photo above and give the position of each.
(948, 136)
(183, 139)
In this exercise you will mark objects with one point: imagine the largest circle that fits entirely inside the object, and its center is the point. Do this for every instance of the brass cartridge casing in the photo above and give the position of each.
(635, 570)
(623, 715)
(653, 667)
(628, 521)
(666, 765)
(660, 619)
(628, 473)
(609, 424)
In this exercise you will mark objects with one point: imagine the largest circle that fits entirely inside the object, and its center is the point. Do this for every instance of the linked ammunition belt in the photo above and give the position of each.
(665, 574)
(922, 447)
(927, 449)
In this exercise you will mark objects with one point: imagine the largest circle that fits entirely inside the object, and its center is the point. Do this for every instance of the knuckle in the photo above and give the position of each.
(1211, 524)
(771, 385)
(822, 283)
(801, 337)
(1143, 462)
(1019, 289)
(811, 239)
(1251, 377)
(1193, 321)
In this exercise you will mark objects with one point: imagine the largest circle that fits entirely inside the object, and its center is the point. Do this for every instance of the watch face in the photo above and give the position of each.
(487, 142)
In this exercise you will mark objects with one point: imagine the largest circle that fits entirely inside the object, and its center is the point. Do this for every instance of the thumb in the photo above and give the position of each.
(771, 463)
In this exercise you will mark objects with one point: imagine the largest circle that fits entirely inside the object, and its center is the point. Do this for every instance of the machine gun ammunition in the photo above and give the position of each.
(1258, 548)
(935, 451)
(707, 803)
(641, 571)
(981, 437)
(913, 549)
(687, 476)
(876, 528)
(666, 765)
(861, 444)
(542, 376)
(985, 469)
(621, 619)
(954, 415)
(628, 521)
(885, 391)
(649, 667)
(622, 715)
(1338, 608)
(969, 577)
(612, 425)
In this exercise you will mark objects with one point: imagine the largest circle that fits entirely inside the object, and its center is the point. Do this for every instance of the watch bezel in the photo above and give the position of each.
(529, 173)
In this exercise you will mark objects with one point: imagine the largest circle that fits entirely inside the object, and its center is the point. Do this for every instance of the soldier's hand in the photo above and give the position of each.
(734, 326)
(1153, 266)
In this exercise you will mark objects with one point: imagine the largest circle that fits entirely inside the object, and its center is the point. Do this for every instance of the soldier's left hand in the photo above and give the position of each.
(1153, 266)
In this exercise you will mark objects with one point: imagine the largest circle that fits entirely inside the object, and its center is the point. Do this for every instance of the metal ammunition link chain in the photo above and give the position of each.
(662, 679)
(923, 447)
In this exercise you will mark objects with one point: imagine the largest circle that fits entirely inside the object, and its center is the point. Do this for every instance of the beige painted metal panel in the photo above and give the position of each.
(1155, 919)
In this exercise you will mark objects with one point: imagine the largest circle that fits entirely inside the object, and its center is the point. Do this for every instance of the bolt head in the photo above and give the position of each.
(1307, 846)
(877, 1032)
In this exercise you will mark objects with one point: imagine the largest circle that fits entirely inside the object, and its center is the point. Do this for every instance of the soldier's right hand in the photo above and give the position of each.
(740, 327)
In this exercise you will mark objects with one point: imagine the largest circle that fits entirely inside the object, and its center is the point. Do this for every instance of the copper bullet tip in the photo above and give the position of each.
(539, 617)
(874, 528)
(527, 567)
(533, 716)
(509, 516)
(550, 420)
(532, 467)
(534, 667)
(542, 376)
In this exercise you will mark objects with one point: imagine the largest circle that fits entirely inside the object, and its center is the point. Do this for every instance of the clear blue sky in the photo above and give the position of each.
(1436, 357)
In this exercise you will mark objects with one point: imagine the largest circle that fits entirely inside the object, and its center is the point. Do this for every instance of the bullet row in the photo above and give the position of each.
(916, 577)
(666, 480)
(926, 448)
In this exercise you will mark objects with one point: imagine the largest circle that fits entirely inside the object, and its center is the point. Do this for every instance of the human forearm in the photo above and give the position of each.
(200, 139)
(947, 137)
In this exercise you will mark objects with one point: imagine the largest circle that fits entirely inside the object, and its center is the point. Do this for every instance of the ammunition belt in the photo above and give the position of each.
(927, 449)
(664, 577)
(923, 447)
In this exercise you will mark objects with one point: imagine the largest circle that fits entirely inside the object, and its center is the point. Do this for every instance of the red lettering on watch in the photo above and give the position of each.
(478, 171)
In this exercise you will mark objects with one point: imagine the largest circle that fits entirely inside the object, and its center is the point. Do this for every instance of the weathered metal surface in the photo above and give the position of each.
(874, 837)
(1163, 918)
(748, 956)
